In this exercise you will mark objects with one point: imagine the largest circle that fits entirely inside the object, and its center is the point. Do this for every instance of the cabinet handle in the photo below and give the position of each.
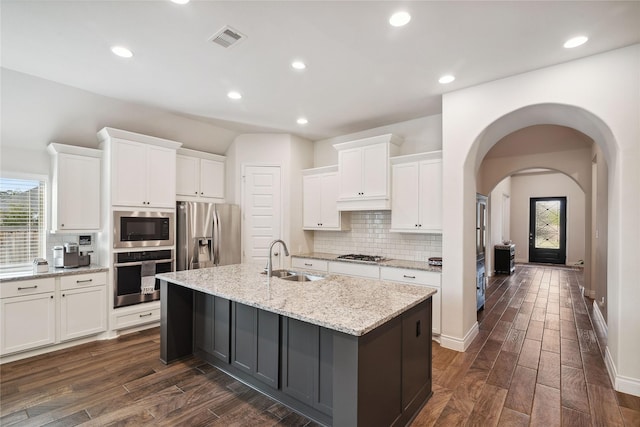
(84, 281)
(201, 193)
(146, 315)
(196, 192)
(51, 296)
(408, 277)
(308, 264)
(28, 287)
(63, 295)
(61, 225)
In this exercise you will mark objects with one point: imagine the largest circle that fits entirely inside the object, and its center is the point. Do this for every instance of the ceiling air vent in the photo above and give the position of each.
(227, 37)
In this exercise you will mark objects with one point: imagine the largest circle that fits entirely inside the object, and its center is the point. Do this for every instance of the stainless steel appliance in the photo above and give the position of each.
(481, 243)
(208, 235)
(141, 229)
(361, 258)
(134, 275)
(71, 255)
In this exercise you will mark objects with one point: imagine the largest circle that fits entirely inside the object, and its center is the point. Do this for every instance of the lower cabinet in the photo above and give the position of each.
(27, 322)
(255, 342)
(83, 312)
(307, 364)
(212, 329)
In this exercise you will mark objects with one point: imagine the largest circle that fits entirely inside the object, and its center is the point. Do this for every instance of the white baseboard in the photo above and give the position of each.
(621, 383)
(457, 344)
(600, 318)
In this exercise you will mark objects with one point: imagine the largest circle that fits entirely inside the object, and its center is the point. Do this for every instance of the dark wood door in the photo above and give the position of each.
(548, 230)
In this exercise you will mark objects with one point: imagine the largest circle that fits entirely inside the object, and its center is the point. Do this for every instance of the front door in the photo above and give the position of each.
(261, 207)
(548, 230)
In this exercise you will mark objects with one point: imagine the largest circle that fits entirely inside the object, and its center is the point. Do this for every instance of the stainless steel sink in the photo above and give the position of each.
(299, 277)
(294, 276)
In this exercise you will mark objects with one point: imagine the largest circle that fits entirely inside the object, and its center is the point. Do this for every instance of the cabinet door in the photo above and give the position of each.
(375, 171)
(27, 322)
(350, 167)
(311, 201)
(431, 195)
(329, 215)
(243, 340)
(187, 175)
(416, 349)
(299, 359)
(78, 193)
(405, 197)
(161, 177)
(268, 348)
(129, 174)
(83, 312)
(211, 179)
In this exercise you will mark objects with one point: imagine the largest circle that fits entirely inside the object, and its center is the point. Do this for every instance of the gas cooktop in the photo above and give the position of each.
(361, 258)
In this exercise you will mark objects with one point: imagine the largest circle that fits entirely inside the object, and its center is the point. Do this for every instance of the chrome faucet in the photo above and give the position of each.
(269, 261)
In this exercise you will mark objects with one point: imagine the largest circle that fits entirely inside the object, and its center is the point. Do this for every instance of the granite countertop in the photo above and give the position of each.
(53, 272)
(397, 263)
(351, 305)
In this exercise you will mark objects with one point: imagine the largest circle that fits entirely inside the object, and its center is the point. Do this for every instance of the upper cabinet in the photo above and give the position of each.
(75, 195)
(199, 176)
(142, 169)
(417, 193)
(364, 173)
(319, 195)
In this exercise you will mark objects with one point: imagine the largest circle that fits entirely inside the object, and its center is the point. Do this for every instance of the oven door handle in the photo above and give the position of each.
(131, 264)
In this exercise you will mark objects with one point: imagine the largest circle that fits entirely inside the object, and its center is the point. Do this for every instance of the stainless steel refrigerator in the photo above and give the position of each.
(208, 235)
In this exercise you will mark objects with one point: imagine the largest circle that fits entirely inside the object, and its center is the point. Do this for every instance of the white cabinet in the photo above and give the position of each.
(319, 200)
(142, 175)
(371, 271)
(364, 172)
(27, 315)
(310, 264)
(199, 175)
(83, 305)
(419, 277)
(75, 195)
(416, 205)
(136, 315)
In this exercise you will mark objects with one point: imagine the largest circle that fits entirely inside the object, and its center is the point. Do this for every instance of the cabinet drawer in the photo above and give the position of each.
(82, 280)
(137, 318)
(419, 277)
(309, 264)
(27, 287)
(355, 269)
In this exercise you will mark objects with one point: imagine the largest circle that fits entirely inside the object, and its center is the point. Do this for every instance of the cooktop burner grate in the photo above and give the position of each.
(362, 258)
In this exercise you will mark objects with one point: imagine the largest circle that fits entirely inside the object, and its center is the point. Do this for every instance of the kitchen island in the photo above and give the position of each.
(341, 350)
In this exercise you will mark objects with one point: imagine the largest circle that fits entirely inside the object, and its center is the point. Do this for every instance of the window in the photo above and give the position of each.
(22, 220)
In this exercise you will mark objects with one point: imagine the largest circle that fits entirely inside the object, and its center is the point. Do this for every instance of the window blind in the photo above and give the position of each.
(22, 221)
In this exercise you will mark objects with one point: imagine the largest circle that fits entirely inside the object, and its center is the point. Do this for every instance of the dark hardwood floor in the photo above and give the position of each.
(536, 361)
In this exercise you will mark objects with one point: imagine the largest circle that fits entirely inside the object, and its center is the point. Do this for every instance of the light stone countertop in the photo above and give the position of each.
(53, 272)
(396, 263)
(351, 305)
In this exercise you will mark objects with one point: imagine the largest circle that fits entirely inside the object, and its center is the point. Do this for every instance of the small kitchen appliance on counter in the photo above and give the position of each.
(84, 259)
(71, 255)
(58, 256)
(40, 265)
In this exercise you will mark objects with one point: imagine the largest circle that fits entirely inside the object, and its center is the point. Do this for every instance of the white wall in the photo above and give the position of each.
(420, 135)
(579, 94)
(36, 112)
(525, 186)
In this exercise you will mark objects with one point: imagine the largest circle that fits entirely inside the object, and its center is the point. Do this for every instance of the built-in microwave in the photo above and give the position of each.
(139, 229)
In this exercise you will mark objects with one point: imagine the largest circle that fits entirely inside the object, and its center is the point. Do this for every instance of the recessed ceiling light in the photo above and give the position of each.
(234, 95)
(298, 65)
(122, 51)
(302, 121)
(399, 19)
(180, 1)
(575, 42)
(446, 79)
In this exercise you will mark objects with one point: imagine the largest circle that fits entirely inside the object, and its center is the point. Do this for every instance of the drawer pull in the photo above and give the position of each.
(308, 264)
(84, 281)
(28, 287)
(146, 315)
(409, 277)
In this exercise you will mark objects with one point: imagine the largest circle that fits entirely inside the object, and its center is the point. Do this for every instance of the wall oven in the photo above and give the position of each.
(134, 275)
(140, 229)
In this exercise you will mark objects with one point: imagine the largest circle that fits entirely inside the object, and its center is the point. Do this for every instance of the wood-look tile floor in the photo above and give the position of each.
(536, 361)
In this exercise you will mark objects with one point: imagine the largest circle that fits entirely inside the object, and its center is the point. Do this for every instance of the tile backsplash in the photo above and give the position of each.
(370, 235)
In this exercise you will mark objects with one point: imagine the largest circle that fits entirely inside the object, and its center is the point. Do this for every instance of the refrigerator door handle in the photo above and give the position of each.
(215, 248)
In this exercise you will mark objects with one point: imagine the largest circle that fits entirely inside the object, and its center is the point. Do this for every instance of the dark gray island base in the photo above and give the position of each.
(380, 378)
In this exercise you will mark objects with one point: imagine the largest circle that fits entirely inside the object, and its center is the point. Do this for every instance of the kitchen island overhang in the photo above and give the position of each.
(343, 351)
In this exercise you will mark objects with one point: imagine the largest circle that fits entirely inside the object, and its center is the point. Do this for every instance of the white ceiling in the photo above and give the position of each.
(362, 73)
